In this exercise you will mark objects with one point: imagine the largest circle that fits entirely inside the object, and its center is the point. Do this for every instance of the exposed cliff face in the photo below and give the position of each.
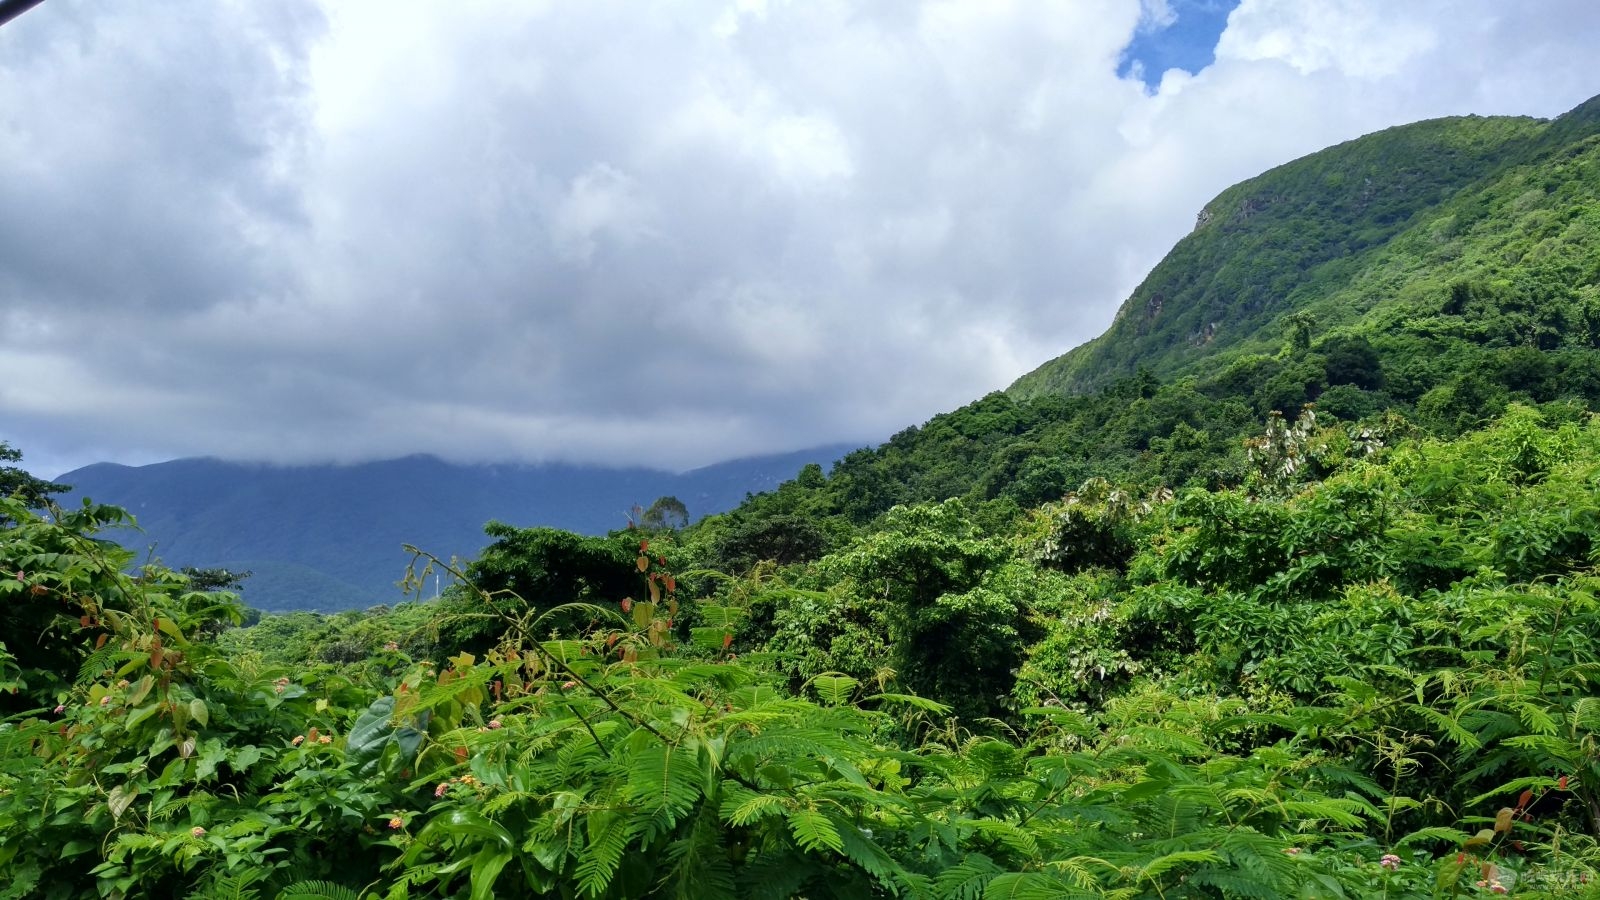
(1298, 236)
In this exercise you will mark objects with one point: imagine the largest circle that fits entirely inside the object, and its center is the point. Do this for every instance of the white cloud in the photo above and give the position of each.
(1155, 15)
(638, 233)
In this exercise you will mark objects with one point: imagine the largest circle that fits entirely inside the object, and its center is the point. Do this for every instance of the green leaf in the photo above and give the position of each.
(212, 753)
(467, 824)
(198, 712)
(486, 868)
(141, 689)
(120, 798)
(141, 714)
(170, 628)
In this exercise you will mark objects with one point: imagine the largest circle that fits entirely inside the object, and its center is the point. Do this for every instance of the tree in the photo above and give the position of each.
(1300, 324)
(783, 539)
(215, 579)
(666, 513)
(538, 569)
(956, 635)
(1352, 360)
(14, 482)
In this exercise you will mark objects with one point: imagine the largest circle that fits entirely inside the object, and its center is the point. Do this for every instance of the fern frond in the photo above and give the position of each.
(741, 807)
(1449, 726)
(700, 869)
(1235, 884)
(1030, 886)
(233, 886)
(1164, 864)
(814, 831)
(317, 890)
(967, 879)
(665, 778)
(609, 834)
(1451, 836)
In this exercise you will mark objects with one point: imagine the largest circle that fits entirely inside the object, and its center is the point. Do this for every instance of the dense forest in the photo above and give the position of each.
(1301, 603)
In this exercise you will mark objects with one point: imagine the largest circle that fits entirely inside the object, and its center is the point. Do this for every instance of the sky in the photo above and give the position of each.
(644, 233)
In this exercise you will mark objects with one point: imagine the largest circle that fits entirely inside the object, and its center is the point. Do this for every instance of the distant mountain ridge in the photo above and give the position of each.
(330, 536)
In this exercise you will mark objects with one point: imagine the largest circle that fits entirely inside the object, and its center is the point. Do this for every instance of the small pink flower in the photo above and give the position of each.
(105, 701)
(391, 646)
(61, 709)
(197, 831)
(1496, 887)
(439, 791)
(494, 723)
(298, 739)
(569, 685)
(1390, 862)
(396, 823)
(325, 739)
(1292, 851)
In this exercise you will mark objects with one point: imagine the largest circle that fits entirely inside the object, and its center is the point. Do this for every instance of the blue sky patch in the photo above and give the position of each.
(1187, 41)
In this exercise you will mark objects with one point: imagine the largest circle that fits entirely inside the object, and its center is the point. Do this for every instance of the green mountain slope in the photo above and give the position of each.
(1424, 277)
(1303, 235)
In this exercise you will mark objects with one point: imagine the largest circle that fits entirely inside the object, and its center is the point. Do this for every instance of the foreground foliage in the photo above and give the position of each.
(1366, 672)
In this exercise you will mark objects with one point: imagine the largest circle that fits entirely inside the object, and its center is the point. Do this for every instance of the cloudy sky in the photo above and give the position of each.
(665, 233)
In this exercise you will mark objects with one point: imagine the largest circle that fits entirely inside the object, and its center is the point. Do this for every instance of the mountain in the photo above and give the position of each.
(329, 537)
(1420, 278)
(1304, 235)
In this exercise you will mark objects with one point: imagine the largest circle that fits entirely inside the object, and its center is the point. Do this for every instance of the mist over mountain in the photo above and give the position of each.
(330, 537)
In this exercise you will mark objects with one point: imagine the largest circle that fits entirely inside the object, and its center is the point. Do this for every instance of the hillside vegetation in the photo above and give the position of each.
(1371, 673)
(1157, 629)
(1352, 235)
(1465, 277)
